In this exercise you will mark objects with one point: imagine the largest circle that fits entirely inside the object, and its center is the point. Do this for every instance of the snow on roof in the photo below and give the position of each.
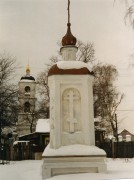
(16, 142)
(130, 130)
(25, 134)
(73, 150)
(43, 125)
(72, 65)
(120, 130)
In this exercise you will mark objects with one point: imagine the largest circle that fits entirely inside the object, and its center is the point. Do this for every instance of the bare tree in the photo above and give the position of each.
(8, 93)
(129, 15)
(86, 52)
(53, 60)
(106, 96)
(43, 91)
(30, 117)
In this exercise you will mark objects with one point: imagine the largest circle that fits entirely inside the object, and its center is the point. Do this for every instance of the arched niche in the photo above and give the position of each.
(71, 110)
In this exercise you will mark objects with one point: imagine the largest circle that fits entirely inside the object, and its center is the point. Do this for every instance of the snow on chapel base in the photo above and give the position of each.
(73, 159)
(74, 150)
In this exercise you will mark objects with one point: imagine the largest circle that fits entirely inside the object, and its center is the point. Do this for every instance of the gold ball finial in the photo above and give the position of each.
(27, 69)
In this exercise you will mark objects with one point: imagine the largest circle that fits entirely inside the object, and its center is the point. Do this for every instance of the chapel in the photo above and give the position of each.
(72, 138)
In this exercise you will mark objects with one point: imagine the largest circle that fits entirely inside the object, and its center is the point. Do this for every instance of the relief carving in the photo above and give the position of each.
(71, 110)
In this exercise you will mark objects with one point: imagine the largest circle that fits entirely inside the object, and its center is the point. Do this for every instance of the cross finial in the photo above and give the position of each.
(68, 11)
(68, 39)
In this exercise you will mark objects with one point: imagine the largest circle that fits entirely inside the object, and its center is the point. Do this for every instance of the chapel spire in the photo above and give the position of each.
(68, 9)
(68, 39)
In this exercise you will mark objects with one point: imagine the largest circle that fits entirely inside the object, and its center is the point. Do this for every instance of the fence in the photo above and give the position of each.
(22, 151)
(119, 149)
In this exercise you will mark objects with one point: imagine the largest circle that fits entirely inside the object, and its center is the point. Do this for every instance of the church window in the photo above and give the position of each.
(27, 107)
(27, 89)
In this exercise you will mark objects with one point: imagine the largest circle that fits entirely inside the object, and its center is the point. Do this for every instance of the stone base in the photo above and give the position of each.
(53, 166)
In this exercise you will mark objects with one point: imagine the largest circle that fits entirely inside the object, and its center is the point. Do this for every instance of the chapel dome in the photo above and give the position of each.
(69, 39)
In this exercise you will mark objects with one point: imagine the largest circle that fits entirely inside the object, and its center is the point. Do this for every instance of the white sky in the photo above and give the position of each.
(30, 30)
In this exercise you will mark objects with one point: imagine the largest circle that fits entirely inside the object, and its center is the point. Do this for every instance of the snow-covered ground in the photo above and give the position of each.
(31, 170)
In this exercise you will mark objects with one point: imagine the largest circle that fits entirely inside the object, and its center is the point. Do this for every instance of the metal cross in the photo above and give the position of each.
(68, 11)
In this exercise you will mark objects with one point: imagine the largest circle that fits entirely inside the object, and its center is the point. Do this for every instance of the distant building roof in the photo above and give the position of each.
(43, 125)
(125, 131)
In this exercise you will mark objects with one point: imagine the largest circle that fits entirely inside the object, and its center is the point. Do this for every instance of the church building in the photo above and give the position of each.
(26, 96)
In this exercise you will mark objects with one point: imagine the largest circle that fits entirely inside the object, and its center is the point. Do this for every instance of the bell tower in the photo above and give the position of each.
(26, 96)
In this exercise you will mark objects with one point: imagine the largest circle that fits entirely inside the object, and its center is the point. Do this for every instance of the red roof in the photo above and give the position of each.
(54, 70)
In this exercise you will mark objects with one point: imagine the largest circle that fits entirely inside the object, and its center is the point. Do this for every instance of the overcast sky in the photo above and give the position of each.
(30, 30)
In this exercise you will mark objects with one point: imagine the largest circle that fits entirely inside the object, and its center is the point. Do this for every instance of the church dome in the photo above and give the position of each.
(69, 39)
(27, 76)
